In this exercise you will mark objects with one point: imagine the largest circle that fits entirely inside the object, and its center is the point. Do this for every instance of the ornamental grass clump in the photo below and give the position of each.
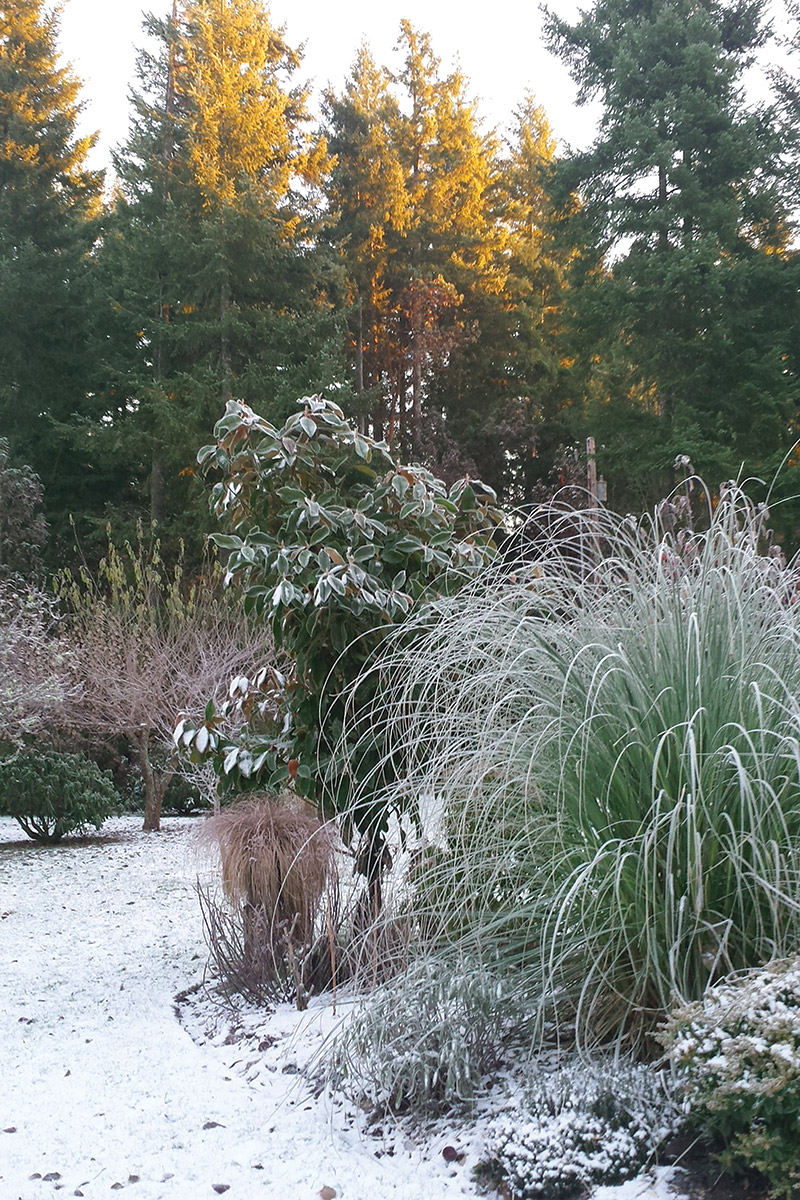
(610, 725)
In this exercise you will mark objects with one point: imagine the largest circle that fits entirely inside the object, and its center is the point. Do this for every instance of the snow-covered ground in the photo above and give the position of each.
(106, 1085)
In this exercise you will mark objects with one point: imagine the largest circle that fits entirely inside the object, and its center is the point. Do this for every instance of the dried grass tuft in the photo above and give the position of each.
(276, 855)
(279, 882)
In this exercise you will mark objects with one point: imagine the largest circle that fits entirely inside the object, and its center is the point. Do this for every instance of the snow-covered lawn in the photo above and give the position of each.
(103, 1088)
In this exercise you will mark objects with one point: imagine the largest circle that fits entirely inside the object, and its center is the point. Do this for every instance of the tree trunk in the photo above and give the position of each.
(225, 349)
(360, 349)
(155, 784)
(688, 222)
(416, 399)
(663, 233)
(157, 487)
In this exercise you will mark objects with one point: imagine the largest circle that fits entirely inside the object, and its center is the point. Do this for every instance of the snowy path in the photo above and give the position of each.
(103, 1090)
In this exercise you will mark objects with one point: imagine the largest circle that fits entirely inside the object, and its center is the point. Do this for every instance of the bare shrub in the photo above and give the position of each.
(273, 933)
(34, 668)
(146, 645)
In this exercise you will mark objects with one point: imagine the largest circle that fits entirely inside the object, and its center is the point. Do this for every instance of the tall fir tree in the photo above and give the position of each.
(368, 197)
(680, 191)
(214, 284)
(49, 205)
(411, 197)
(455, 267)
(511, 382)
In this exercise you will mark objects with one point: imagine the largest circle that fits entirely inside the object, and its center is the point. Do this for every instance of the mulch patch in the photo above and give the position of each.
(702, 1178)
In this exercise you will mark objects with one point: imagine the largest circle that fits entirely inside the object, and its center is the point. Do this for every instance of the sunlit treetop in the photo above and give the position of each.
(39, 110)
(244, 117)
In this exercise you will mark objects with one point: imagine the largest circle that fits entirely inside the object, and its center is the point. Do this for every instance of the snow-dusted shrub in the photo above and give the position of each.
(35, 668)
(739, 1051)
(52, 794)
(585, 1124)
(425, 1039)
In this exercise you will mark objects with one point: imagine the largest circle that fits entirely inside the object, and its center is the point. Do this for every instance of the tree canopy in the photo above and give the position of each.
(481, 299)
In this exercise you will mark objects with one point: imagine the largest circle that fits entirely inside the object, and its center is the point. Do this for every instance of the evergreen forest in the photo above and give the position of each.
(478, 299)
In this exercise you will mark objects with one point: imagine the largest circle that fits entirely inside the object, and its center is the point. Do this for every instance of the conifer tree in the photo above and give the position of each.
(455, 267)
(211, 271)
(412, 198)
(49, 203)
(680, 191)
(514, 378)
(368, 196)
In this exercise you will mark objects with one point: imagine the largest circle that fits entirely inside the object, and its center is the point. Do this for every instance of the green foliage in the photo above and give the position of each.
(425, 1041)
(738, 1050)
(580, 1125)
(422, 222)
(49, 204)
(686, 338)
(614, 741)
(52, 794)
(214, 282)
(334, 543)
(23, 529)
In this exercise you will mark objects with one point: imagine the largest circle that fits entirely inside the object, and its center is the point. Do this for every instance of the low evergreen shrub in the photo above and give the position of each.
(738, 1050)
(52, 794)
(585, 1124)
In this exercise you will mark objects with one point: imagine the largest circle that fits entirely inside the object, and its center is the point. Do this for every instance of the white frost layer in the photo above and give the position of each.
(102, 1089)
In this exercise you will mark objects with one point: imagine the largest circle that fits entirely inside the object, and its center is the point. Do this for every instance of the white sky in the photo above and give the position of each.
(498, 47)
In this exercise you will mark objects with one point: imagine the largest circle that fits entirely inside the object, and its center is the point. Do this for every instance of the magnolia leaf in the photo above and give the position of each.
(260, 761)
(201, 739)
(466, 500)
(292, 495)
(226, 541)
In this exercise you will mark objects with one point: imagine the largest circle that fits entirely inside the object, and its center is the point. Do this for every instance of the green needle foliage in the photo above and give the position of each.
(683, 191)
(49, 208)
(609, 730)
